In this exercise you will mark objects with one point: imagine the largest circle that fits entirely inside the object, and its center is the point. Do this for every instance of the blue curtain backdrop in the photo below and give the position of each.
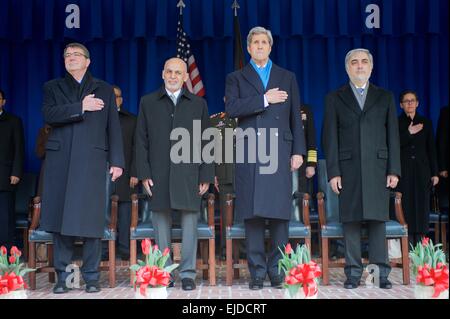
(129, 41)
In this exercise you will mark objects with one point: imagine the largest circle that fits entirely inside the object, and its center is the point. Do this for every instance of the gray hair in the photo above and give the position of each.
(259, 30)
(352, 52)
(80, 46)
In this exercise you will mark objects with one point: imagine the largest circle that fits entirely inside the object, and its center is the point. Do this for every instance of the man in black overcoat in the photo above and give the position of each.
(85, 144)
(11, 169)
(361, 145)
(173, 173)
(265, 99)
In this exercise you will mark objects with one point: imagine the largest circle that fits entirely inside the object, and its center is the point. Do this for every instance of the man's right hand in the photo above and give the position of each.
(276, 96)
(336, 184)
(148, 183)
(133, 182)
(92, 104)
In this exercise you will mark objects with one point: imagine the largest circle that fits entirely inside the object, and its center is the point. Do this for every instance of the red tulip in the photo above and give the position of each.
(155, 248)
(12, 259)
(288, 249)
(146, 245)
(425, 241)
(15, 251)
(166, 251)
(3, 250)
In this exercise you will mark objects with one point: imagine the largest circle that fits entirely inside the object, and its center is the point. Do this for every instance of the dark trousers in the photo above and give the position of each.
(162, 221)
(305, 185)
(260, 264)
(7, 219)
(63, 254)
(124, 222)
(378, 253)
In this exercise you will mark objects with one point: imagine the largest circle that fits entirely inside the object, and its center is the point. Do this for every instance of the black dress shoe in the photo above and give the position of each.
(277, 282)
(60, 288)
(385, 283)
(351, 284)
(92, 287)
(256, 283)
(187, 284)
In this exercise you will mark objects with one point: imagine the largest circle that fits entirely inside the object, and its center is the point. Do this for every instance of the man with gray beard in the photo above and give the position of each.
(361, 144)
(172, 186)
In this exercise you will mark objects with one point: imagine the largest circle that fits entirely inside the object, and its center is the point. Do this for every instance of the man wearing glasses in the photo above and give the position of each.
(85, 143)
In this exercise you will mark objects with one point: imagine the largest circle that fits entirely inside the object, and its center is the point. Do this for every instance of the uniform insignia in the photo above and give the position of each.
(304, 117)
(221, 124)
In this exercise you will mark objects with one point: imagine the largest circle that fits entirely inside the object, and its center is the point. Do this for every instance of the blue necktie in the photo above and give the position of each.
(360, 91)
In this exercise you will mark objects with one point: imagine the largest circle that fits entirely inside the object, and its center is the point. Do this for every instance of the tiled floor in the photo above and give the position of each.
(239, 290)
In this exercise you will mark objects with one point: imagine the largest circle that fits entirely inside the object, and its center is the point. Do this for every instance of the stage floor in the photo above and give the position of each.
(239, 290)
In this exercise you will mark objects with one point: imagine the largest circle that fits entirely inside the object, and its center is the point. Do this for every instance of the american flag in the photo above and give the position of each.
(194, 82)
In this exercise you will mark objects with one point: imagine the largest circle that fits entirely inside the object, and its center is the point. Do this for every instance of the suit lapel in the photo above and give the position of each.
(372, 97)
(349, 99)
(274, 76)
(89, 85)
(67, 89)
(3, 116)
(251, 76)
(71, 92)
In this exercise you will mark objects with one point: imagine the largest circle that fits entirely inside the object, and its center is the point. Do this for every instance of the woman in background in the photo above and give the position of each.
(419, 165)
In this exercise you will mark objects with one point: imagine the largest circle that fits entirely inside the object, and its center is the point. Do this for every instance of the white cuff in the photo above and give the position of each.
(266, 103)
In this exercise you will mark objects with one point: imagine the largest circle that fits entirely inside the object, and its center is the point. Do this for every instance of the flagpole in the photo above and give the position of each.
(238, 53)
(235, 6)
(181, 5)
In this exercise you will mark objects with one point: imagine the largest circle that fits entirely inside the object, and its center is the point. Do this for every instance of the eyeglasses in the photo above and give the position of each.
(409, 101)
(76, 54)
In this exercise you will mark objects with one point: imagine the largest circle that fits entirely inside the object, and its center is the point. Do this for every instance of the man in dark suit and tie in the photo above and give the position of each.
(265, 99)
(174, 186)
(11, 168)
(361, 143)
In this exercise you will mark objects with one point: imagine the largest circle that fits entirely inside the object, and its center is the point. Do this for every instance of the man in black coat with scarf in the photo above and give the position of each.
(265, 99)
(362, 148)
(84, 145)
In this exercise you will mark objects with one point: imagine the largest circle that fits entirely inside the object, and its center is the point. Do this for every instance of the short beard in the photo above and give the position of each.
(359, 79)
